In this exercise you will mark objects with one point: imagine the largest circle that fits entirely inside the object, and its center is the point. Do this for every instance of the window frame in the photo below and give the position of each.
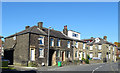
(41, 40)
(41, 56)
(52, 42)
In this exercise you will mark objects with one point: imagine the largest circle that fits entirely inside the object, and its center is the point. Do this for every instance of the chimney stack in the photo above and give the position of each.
(27, 27)
(65, 31)
(105, 38)
(91, 37)
(40, 25)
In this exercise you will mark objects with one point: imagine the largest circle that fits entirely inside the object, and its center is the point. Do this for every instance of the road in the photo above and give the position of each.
(92, 68)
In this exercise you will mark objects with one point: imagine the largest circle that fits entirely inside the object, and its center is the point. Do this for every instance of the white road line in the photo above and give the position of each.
(96, 69)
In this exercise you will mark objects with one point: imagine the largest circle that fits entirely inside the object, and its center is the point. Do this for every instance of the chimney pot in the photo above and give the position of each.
(105, 38)
(40, 25)
(27, 27)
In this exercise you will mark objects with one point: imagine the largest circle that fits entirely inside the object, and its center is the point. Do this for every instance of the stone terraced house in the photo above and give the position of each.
(31, 45)
(101, 49)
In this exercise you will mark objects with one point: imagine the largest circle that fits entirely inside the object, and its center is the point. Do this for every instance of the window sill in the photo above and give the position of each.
(41, 44)
(41, 57)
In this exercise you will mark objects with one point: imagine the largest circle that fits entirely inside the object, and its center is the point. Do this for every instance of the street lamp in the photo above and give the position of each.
(48, 46)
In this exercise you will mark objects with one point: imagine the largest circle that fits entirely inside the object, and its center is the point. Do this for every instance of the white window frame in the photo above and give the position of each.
(109, 48)
(68, 44)
(91, 55)
(41, 39)
(58, 43)
(52, 42)
(99, 55)
(91, 47)
(113, 48)
(100, 47)
(83, 45)
(76, 44)
(41, 55)
(14, 38)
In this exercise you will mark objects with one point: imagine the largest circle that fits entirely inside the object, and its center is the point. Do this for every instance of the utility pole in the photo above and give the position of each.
(48, 46)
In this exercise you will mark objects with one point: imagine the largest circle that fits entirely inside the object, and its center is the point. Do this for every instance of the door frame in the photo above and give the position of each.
(30, 54)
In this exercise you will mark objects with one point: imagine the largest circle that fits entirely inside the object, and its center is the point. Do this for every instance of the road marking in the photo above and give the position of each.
(96, 69)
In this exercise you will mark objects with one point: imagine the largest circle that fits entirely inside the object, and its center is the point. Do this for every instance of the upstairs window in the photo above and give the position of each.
(100, 47)
(113, 48)
(74, 35)
(109, 47)
(41, 53)
(52, 42)
(76, 45)
(83, 45)
(91, 47)
(14, 38)
(41, 40)
(68, 44)
(58, 42)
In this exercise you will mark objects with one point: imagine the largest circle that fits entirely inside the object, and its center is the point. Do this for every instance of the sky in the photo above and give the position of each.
(91, 19)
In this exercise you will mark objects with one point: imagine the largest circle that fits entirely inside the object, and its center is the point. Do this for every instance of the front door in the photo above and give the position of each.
(32, 54)
(63, 56)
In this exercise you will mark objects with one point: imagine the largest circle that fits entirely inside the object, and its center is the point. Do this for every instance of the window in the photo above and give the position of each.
(14, 38)
(68, 54)
(75, 35)
(41, 40)
(76, 54)
(91, 47)
(119, 56)
(100, 47)
(99, 55)
(113, 48)
(41, 53)
(91, 55)
(58, 53)
(83, 45)
(52, 42)
(76, 44)
(109, 47)
(109, 56)
(68, 44)
(58, 42)
(84, 55)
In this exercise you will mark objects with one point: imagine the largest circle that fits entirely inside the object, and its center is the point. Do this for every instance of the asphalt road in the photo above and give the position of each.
(89, 67)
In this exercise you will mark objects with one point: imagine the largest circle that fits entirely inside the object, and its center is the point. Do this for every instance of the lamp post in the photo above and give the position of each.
(48, 46)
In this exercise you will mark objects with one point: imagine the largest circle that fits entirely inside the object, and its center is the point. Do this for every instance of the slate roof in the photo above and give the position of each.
(102, 41)
(33, 29)
(44, 31)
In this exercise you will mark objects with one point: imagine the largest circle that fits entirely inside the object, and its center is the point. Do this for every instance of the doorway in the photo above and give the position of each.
(8, 54)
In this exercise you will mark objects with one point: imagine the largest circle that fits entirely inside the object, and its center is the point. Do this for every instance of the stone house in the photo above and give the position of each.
(101, 49)
(31, 45)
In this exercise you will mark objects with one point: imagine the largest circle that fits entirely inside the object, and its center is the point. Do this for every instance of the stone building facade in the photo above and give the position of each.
(31, 45)
(101, 49)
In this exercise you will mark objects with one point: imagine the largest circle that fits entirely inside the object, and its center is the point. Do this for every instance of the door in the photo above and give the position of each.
(32, 55)
(63, 56)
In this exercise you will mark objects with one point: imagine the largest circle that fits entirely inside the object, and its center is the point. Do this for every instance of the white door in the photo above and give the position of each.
(32, 55)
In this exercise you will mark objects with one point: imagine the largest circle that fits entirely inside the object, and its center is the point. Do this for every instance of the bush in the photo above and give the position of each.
(87, 61)
(32, 64)
(83, 59)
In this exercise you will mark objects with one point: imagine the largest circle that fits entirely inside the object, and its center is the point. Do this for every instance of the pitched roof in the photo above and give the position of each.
(33, 29)
(44, 31)
(102, 41)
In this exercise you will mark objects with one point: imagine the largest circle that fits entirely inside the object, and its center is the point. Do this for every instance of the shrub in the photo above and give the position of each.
(87, 61)
(83, 59)
(32, 64)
